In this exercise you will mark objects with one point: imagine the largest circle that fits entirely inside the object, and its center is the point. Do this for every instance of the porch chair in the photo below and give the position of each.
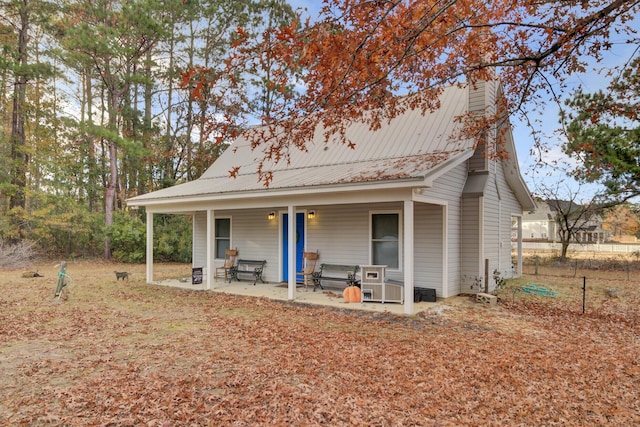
(309, 261)
(230, 256)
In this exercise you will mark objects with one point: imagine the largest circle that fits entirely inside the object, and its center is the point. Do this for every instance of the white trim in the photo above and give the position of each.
(280, 215)
(215, 235)
(416, 197)
(211, 220)
(291, 289)
(519, 243)
(193, 233)
(445, 250)
(409, 264)
(400, 237)
(286, 194)
(307, 199)
(445, 167)
(149, 260)
(481, 239)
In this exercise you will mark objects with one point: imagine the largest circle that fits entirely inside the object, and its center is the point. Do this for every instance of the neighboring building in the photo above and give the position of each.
(542, 224)
(409, 196)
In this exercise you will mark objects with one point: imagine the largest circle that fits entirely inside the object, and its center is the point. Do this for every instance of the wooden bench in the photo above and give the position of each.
(247, 267)
(336, 273)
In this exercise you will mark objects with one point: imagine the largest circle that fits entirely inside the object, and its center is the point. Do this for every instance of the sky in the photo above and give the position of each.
(533, 174)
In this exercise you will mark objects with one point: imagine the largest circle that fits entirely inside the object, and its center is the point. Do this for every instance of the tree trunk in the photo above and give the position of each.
(109, 203)
(563, 252)
(19, 157)
(92, 171)
(145, 182)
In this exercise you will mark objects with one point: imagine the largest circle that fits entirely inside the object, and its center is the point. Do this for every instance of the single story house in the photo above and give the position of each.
(432, 208)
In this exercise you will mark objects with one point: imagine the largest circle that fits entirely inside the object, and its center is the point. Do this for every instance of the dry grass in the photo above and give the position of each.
(126, 353)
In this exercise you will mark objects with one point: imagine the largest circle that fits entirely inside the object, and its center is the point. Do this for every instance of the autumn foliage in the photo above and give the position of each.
(359, 58)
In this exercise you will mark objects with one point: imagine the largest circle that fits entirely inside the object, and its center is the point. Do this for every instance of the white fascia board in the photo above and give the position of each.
(279, 193)
(445, 167)
(370, 195)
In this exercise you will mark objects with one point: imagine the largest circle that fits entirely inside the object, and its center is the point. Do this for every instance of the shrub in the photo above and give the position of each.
(171, 243)
(172, 238)
(127, 234)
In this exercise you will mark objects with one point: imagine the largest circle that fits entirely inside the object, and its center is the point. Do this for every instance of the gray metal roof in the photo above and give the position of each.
(409, 148)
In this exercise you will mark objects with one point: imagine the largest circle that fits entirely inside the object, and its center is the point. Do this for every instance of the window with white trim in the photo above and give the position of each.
(385, 239)
(223, 236)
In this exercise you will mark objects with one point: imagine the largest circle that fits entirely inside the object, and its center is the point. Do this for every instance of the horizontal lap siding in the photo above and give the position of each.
(500, 205)
(493, 215)
(341, 233)
(256, 237)
(428, 247)
(449, 188)
(510, 206)
(470, 243)
(199, 256)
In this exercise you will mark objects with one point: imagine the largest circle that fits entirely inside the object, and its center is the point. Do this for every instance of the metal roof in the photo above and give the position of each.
(409, 148)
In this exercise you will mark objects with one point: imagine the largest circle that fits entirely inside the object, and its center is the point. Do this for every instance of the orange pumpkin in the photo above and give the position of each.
(352, 294)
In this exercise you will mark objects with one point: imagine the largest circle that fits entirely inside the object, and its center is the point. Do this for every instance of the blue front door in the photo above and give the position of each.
(285, 243)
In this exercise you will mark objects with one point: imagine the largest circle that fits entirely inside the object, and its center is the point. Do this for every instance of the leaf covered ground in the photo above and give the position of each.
(125, 353)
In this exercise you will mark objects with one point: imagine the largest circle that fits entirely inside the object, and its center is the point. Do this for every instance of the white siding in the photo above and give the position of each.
(470, 243)
(341, 233)
(449, 188)
(256, 237)
(428, 247)
(199, 257)
(510, 206)
(492, 227)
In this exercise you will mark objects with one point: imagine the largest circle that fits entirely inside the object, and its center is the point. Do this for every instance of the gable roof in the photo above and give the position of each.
(411, 150)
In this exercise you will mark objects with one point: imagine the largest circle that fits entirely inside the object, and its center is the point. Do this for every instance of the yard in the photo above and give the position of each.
(125, 353)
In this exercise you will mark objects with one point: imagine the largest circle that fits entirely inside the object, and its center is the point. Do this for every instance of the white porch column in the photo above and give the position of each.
(445, 250)
(291, 294)
(149, 247)
(519, 246)
(210, 252)
(408, 256)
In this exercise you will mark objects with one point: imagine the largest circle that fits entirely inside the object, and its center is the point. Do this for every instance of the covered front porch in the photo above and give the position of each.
(424, 240)
(279, 291)
(339, 227)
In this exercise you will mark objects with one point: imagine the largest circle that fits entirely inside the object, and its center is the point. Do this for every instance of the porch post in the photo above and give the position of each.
(209, 263)
(291, 227)
(519, 243)
(445, 250)
(149, 247)
(408, 256)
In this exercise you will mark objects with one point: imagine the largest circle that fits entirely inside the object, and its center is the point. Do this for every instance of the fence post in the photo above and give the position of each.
(486, 276)
(628, 270)
(584, 293)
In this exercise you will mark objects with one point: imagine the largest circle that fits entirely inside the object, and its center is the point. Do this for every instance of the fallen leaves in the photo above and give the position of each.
(135, 354)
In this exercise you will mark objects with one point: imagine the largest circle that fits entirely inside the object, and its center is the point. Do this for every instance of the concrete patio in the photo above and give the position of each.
(278, 291)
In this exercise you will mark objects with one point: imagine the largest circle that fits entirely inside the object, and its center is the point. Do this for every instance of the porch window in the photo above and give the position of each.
(223, 236)
(385, 242)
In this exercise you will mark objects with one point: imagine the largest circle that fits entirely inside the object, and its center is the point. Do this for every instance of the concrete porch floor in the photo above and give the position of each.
(278, 291)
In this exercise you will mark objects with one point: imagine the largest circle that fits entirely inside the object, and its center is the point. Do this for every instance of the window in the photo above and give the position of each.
(223, 236)
(385, 242)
